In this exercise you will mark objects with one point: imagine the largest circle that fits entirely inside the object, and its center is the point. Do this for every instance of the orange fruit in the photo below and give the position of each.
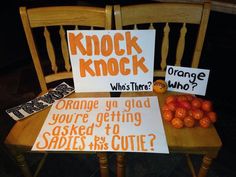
(168, 115)
(164, 107)
(170, 98)
(205, 122)
(212, 116)
(190, 112)
(160, 86)
(197, 114)
(181, 98)
(185, 104)
(172, 106)
(177, 123)
(207, 105)
(189, 97)
(189, 121)
(181, 113)
(196, 103)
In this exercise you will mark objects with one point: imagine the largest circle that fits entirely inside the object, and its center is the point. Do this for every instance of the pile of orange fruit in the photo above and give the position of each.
(188, 111)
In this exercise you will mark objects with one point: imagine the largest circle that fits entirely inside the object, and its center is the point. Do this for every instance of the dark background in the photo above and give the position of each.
(218, 55)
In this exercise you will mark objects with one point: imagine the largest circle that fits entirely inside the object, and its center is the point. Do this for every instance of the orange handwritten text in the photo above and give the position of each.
(61, 142)
(99, 143)
(129, 143)
(73, 130)
(135, 103)
(99, 51)
(68, 118)
(112, 66)
(87, 105)
(105, 46)
(118, 116)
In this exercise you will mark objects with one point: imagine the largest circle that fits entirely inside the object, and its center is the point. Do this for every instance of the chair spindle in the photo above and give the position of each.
(181, 45)
(151, 26)
(50, 50)
(165, 46)
(64, 49)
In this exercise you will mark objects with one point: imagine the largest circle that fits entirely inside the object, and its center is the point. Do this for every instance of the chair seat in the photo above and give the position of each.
(195, 140)
(24, 133)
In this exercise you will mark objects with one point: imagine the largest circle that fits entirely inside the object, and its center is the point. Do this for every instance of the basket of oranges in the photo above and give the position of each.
(188, 111)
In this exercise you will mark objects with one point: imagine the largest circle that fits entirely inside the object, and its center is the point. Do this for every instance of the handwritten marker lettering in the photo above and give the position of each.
(112, 66)
(131, 124)
(111, 60)
(187, 80)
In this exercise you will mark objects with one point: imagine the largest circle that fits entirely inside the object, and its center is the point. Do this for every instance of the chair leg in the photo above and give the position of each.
(120, 164)
(190, 164)
(103, 162)
(206, 162)
(21, 162)
(40, 165)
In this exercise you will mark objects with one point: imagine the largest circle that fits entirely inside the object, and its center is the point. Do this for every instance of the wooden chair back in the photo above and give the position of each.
(163, 16)
(64, 17)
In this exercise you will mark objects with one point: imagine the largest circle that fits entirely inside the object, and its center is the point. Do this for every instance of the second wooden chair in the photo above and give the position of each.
(176, 22)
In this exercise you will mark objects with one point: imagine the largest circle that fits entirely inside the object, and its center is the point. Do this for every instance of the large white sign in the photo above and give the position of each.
(112, 60)
(187, 80)
(128, 124)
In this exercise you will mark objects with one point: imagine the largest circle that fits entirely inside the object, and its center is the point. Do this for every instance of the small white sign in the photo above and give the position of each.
(187, 80)
(128, 124)
(112, 60)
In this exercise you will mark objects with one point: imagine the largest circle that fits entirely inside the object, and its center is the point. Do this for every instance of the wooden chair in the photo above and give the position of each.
(55, 20)
(163, 16)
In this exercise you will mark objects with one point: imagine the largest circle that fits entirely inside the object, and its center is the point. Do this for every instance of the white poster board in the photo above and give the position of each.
(187, 80)
(112, 60)
(128, 124)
